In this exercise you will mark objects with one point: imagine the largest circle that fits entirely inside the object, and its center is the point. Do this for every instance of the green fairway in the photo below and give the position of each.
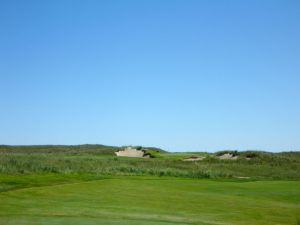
(151, 200)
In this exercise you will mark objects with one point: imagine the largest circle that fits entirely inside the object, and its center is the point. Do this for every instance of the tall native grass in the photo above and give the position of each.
(262, 166)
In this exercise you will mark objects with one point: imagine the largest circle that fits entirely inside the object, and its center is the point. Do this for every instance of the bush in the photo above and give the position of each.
(233, 153)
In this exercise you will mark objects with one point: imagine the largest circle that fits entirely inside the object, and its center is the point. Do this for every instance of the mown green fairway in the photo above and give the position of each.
(153, 200)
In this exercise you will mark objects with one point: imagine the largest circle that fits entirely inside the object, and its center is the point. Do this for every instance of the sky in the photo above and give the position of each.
(183, 75)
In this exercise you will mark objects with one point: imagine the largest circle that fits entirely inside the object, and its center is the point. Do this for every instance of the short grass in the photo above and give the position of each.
(79, 199)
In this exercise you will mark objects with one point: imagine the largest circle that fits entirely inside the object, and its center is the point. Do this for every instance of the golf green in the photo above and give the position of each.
(150, 200)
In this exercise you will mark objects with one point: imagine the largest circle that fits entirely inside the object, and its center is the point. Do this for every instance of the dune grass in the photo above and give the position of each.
(266, 166)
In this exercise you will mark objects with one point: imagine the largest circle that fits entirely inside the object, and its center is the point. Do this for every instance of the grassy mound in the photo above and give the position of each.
(101, 160)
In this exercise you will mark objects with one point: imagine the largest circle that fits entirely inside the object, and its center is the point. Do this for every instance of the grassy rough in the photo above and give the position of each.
(100, 160)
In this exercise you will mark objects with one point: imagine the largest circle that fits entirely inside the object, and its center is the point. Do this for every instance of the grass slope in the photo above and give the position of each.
(149, 200)
(89, 185)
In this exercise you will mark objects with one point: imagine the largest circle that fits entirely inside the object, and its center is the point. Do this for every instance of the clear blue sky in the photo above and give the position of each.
(181, 75)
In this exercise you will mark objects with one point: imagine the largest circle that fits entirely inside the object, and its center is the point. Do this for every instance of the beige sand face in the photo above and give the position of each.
(131, 152)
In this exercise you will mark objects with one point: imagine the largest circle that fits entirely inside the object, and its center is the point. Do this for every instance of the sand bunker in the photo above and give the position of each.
(228, 156)
(194, 158)
(132, 152)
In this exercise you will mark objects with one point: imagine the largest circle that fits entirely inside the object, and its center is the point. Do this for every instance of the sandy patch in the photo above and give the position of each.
(131, 152)
(194, 158)
(228, 156)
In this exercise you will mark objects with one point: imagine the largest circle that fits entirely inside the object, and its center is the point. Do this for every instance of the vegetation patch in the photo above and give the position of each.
(100, 160)
(89, 184)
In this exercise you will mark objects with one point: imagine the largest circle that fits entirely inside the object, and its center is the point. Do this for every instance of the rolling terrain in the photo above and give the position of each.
(88, 184)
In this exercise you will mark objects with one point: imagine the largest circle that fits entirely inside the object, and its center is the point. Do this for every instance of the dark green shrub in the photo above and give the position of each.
(234, 153)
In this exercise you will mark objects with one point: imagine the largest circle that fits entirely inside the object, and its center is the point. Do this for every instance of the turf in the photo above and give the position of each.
(81, 199)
